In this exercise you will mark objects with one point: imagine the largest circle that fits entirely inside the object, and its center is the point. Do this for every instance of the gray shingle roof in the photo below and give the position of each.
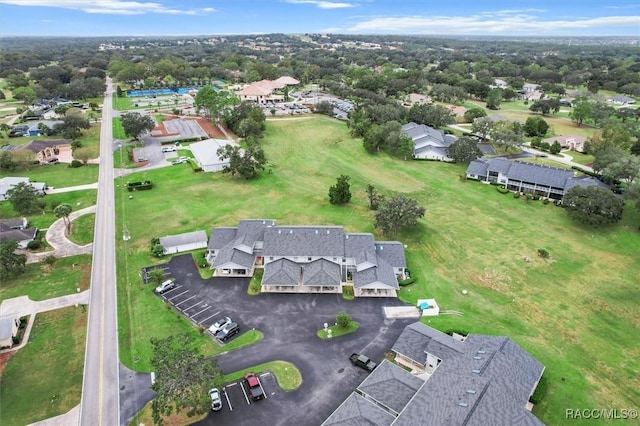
(9, 224)
(392, 252)
(304, 241)
(391, 386)
(228, 256)
(281, 272)
(181, 239)
(584, 181)
(381, 276)
(220, 237)
(321, 272)
(417, 339)
(359, 246)
(18, 234)
(357, 411)
(478, 167)
(538, 173)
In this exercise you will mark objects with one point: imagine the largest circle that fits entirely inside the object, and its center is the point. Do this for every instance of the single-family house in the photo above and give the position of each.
(35, 128)
(530, 178)
(188, 241)
(9, 326)
(264, 91)
(621, 100)
(307, 259)
(205, 153)
(6, 183)
(457, 110)
(429, 143)
(498, 84)
(472, 380)
(17, 229)
(45, 149)
(570, 142)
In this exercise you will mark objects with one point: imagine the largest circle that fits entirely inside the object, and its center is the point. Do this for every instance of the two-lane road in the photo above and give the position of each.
(100, 405)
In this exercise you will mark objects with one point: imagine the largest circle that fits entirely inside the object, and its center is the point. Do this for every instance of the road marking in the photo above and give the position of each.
(209, 317)
(208, 307)
(186, 291)
(263, 392)
(224, 389)
(195, 304)
(245, 394)
(185, 300)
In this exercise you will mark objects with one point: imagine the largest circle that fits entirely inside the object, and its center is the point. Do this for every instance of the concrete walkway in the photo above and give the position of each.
(71, 188)
(57, 239)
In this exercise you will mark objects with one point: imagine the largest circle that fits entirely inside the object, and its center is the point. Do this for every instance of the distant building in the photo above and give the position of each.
(264, 91)
(570, 142)
(429, 143)
(621, 100)
(6, 183)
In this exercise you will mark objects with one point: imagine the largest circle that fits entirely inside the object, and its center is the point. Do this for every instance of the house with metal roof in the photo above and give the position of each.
(529, 178)
(429, 143)
(307, 259)
(7, 183)
(472, 380)
(172, 244)
(205, 153)
(621, 100)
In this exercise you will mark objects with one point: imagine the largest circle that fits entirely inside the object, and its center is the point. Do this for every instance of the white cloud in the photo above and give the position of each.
(110, 7)
(323, 4)
(487, 23)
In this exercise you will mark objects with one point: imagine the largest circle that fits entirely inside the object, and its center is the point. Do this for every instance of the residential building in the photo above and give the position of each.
(621, 100)
(570, 142)
(188, 241)
(46, 149)
(530, 178)
(307, 259)
(429, 143)
(9, 326)
(472, 380)
(17, 229)
(6, 183)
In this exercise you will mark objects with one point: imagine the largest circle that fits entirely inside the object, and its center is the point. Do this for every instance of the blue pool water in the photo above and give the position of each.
(151, 92)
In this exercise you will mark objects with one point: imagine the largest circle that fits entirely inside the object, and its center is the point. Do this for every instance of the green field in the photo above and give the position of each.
(58, 175)
(575, 312)
(44, 379)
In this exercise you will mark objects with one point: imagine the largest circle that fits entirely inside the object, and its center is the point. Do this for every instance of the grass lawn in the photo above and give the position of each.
(43, 219)
(578, 157)
(337, 331)
(45, 376)
(41, 282)
(82, 229)
(59, 175)
(118, 130)
(575, 313)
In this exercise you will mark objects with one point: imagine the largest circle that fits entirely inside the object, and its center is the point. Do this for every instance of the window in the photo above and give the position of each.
(308, 259)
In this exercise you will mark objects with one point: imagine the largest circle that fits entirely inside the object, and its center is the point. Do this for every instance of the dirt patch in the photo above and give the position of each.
(4, 358)
(212, 130)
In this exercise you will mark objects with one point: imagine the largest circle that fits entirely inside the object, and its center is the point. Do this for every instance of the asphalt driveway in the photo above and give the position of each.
(289, 323)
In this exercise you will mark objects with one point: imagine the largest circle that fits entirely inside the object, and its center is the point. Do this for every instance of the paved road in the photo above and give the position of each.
(100, 405)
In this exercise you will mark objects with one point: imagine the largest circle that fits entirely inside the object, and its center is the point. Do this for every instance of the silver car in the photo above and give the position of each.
(216, 400)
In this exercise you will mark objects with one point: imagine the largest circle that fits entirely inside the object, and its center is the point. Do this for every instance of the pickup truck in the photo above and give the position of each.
(362, 361)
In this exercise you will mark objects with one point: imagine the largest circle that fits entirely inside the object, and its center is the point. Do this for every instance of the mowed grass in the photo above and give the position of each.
(41, 282)
(576, 313)
(44, 379)
(82, 229)
(58, 175)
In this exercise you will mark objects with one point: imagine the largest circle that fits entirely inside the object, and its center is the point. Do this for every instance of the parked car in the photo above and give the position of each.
(219, 325)
(52, 160)
(253, 386)
(169, 149)
(228, 331)
(178, 161)
(216, 400)
(165, 286)
(362, 361)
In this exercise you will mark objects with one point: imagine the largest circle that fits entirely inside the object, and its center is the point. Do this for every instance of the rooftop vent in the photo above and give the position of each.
(481, 351)
(291, 231)
(477, 357)
(471, 391)
(476, 371)
(328, 231)
(316, 232)
(463, 403)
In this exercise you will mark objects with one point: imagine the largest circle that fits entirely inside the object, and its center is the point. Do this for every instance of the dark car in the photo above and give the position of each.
(52, 160)
(362, 361)
(228, 331)
(253, 385)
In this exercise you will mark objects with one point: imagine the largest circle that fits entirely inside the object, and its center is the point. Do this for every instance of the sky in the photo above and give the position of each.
(410, 17)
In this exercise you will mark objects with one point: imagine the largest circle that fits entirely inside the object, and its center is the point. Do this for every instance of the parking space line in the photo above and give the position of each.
(209, 317)
(186, 291)
(185, 300)
(245, 394)
(263, 392)
(208, 307)
(195, 304)
(227, 396)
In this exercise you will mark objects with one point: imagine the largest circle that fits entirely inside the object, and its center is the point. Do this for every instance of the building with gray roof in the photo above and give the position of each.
(478, 380)
(429, 143)
(179, 243)
(7, 183)
(530, 178)
(308, 259)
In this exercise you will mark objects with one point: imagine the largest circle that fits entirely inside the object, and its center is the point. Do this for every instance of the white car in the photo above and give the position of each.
(219, 325)
(216, 400)
(168, 149)
(165, 286)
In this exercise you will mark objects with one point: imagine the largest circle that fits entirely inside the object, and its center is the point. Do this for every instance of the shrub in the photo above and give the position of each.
(516, 195)
(543, 253)
(34, 244)
(343, 320)
(406, 282)
(157, 250)
(50, 260)
(196, 168)
(502, 189)
(75, 163)
(541, 389)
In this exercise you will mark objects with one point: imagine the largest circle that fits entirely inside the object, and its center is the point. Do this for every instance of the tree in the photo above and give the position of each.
(464, 150)
(535, 126)
(606, 156)
(340, 193)
(135, 124)
(72, 125)
(246, 163)
(473, 113)
(215, 103)
(324, 107)
(506, 134)
(11, 263)
(555, 147)
(343, 320)
(156, 276)
(482, 127)
(582, 110)
(25, 94)
(593, 205)
(397, 213)
(374, 197)
(63, 211)
(624, 168)
(24, 198)
(494, 97)
(183, 377)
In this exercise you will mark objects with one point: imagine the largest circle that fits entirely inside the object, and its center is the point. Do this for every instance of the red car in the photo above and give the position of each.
(253, 386)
